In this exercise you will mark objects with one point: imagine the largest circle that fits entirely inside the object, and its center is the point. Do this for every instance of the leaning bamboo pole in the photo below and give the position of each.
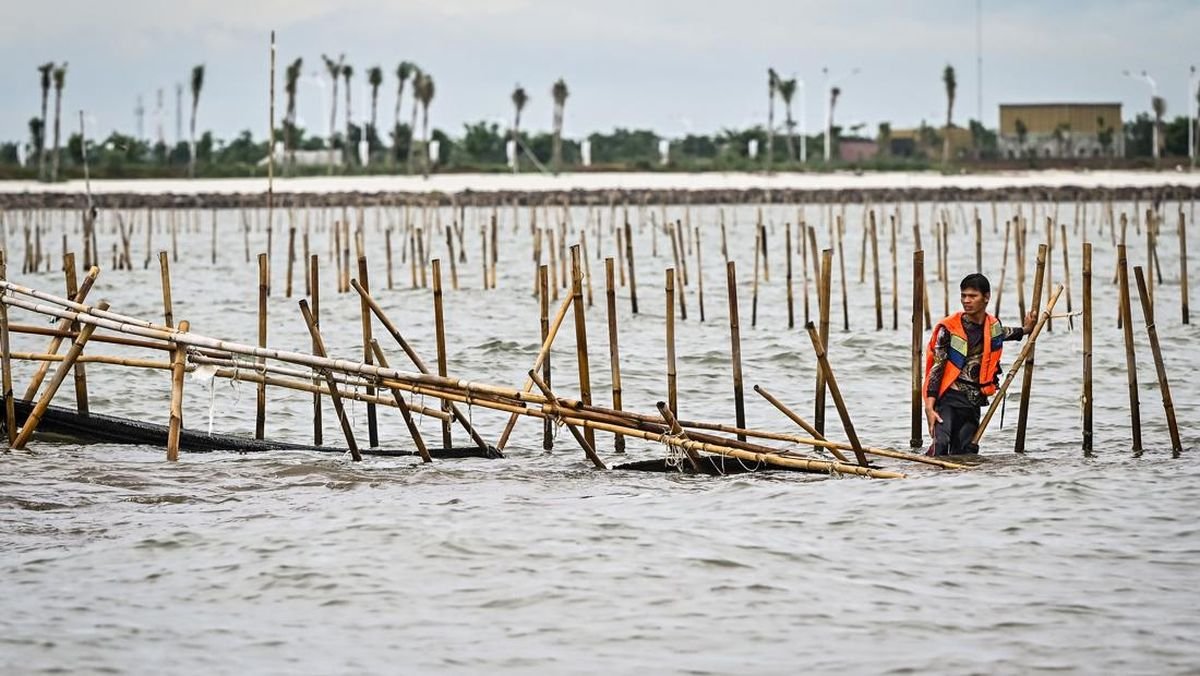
(1160, 368)
(39, 409)
(581, 438)
(84, 288)
(1027, 378)
(334, 396)
(175, 425)
(405, 411)
(1135, 414)
(10, 415)
(1013, 370)
(836, 393)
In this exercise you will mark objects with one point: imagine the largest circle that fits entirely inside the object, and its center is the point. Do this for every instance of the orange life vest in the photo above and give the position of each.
(956, 356)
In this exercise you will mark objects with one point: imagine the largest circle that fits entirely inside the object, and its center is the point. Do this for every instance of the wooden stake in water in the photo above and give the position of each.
(1027, 379)
(314, 271)
(843, 412)
(842, 268)
(1183, 267)
(581, 348)
(1087, 348)
(895, 278)
(699, 275)
(787, 246)
(260, 409)
(334, 395)
(165, 273)
(875, 266)
(81, 390)
(368, 353)
(824, 298)
(918, 366)
(672, 395)
(178, 360)
(754, 288)
(439, 325)
(1135, 414)
(632, 276)
(614, 351)
(1066, 274)
(10, 413)
(291, 261)
(1163, 386)
(735, 349)
(544, 322)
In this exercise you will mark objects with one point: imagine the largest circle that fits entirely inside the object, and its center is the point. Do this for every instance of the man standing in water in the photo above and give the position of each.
(963, 368)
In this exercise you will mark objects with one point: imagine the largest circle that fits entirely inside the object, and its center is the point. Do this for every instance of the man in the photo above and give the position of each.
(963, 367)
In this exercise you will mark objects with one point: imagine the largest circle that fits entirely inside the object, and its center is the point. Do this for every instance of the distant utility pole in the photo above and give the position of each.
(158, 118)
(979, 58)
(140, 113)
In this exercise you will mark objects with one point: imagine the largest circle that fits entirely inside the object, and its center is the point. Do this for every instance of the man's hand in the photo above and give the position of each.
(931, 415)
(1030, 322)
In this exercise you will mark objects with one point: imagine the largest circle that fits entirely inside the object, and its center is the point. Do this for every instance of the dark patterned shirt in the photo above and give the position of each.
(967, 382)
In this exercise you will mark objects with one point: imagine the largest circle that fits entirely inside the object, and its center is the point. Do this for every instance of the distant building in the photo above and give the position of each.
(927, 141)
(304, 158)
(855, 149)
(1061, 130)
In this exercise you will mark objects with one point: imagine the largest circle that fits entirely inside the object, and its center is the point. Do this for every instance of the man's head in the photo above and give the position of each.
(975, 291)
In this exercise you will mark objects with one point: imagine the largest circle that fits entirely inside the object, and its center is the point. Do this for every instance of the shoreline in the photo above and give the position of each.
(605, 188)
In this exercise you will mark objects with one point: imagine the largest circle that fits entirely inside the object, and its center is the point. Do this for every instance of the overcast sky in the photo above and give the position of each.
(670, 65)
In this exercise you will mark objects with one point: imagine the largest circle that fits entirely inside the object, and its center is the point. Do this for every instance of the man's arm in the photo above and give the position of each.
(932, 383)
(1021, 331)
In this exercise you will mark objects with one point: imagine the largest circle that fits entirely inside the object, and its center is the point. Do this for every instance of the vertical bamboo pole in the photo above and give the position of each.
(291, 261)
(944, 243)
(544, 322)
(439, 324)
(387, 249)
(754, 287)
(314, 271)
(735, 350)
(614, 351)
(495, 255)
(179, 358)
(10, 413)
(895, 278)
(1027, 376)
(585, 381)
(260, 408)
(165, 274)
(587, 262)
(1183, 268)
(1135, 414)
(824, 309)
(918, 367)
(978, 244)
(1003, 268)
(787, 271)
(1163, 385)
(81, 389)
(1087, 348)
(368, 353)
(1066, 273)
(334, 395)
(68, 362)
(405, 413)
(213, 237)
(672, 395)
(699, 274)
(842, 267)
(878, 283)
(632, 276)
(450, 255)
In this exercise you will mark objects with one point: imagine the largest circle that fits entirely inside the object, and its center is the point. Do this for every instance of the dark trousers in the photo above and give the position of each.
(953, 434)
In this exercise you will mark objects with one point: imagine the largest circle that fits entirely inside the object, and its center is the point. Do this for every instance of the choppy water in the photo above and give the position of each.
(111, 560)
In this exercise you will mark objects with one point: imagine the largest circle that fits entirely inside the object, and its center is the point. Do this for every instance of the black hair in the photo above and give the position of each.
(976, 281)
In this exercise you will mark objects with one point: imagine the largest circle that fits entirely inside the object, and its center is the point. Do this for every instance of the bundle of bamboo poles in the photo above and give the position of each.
(343, 379)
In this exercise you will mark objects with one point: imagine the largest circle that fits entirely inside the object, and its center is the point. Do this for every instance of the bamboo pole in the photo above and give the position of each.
(417, 361)
(176, 422)
(39, 409)
(10, 414)
(836, 393)
(824, 298)
(1027, 378)
(315, 289)
(1003, 268)
(1087, 348)
(405, 413)
(754, 288)
(260, 407)
(1163, 386)
(588, 449)
(450, 256)
(544, 322)
(1066, 275)
(1013, 370)
(735, 348)
(672, 393)
(1183, 268)
(875, 266)
(165, 273)
(291, 261)
(581, 347)
(368, 353)
(1135, 415)
(842, 268)
(895, 278)
(543, 354)
(614, 351)
(334, 395)
(917, 431)
(795, 417)
(40, 374)
(81, 389)
(439, 324)
(632, 275)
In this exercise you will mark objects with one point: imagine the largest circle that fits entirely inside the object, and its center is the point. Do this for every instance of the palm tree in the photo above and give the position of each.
(374, 78)
(291, 79)
(423, 88)
(59, 76)
(834, 93)
(348, 146)
(560, 93)
(45, 69)
(787, 89)
(1159, 105)
(36, 133)
(335, 69)
(412, 127)
(772, 85)
(197, 85)
(885, 139)
(403, 72)
(951, 86)
(1022, 134)
(519, 99)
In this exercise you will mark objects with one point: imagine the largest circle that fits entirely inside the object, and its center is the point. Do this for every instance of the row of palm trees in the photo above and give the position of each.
(785, 89)
(558, 93)
(55, 74)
